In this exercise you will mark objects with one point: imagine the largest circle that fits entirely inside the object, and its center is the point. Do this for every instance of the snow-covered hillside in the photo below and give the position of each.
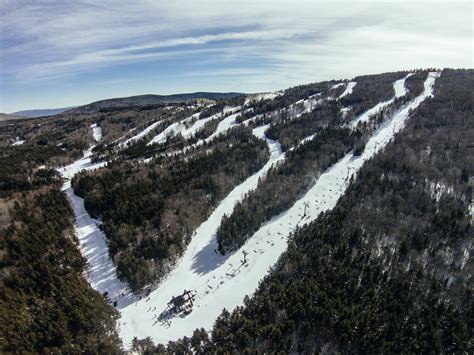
(223, 281)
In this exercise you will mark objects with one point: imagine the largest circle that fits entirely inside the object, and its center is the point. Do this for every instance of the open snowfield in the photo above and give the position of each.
(96, 132)
(349, 88)
(221, 281)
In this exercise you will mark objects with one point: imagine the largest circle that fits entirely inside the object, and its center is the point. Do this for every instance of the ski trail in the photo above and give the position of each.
(349, 88)
(400, 90)
(172, 129)
(198, 260)
(96, 132)
(101, 272)
(294, 111)
(223, 126)
(224, 281)
(262, 96)
(140, 135)
(180, 127)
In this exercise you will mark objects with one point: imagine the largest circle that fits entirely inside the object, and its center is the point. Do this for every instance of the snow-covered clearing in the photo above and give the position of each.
(400, 90)
(345, 111)
(304, 106)
(262, 96)
(338, 85)
(101, 273)
(224, 125)
(349, 88)
(180, 127)
(96, 132)
(223, 281)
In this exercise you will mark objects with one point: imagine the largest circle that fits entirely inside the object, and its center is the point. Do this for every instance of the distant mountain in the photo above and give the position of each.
(8, 117)
(147, 100)
(41, 112)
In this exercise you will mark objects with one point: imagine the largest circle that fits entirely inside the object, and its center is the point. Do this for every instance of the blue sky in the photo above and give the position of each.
(64, 53)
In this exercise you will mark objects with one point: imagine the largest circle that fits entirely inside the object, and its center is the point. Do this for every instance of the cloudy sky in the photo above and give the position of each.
(63, 53)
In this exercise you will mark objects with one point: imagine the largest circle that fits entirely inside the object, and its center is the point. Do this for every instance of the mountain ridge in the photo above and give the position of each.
(149, 100)
(34, 113)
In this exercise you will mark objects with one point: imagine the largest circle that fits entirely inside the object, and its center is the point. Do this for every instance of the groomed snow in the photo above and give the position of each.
(180, 127)
(96, 132)
(400, 90)
(349, 88)
(222, 281)
(101, 272)
(337, 86)
(198, 266)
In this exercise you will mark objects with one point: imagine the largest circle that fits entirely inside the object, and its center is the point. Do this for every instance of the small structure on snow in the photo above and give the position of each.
(182, 303)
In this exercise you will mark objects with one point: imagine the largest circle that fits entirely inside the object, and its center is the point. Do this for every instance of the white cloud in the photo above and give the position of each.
(279, 42)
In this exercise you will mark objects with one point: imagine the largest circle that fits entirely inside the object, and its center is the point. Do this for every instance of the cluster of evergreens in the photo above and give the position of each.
(46, 305)
(18, 168)
(289, 131)
(207, 130)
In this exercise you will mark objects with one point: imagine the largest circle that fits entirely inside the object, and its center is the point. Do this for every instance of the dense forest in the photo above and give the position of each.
(383, 272)
(46, 305)
(150, 211)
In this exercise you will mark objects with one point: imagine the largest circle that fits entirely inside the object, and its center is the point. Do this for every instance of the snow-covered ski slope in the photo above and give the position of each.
(173, 129)
(200, 269)
(220, 281)
(180, 126)
(96, 132)
(101, 272)
(349, 88)
(223, 281)
(141, 134)
(400, 90)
